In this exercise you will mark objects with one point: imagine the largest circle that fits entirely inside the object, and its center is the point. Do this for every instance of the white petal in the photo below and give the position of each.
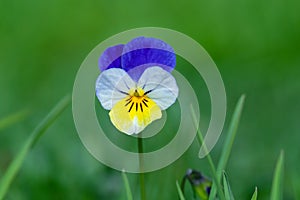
(160, 86)
(112, 86)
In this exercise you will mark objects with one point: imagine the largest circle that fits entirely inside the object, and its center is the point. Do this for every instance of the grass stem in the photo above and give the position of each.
(210, 161)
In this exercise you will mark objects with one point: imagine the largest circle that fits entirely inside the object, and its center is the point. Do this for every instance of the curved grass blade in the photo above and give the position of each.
(16, 164)
(210, 161)
(13, 118)
(254, 196)
(228, 143)
(127, 186)
(180, 193)
(277, 185)
(227, 190)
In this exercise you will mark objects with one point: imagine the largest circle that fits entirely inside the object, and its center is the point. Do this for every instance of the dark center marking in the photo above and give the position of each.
(148, 92)
(145, 103)
(131, 106)
(138, 103)
(128, 102)
(141, 105)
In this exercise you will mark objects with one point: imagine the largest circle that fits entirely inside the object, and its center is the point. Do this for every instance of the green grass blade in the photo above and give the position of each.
(227, 190)
(127, 186)
(210, 161)
(16, 164)
(180, 193)
(13, 118)
(231, 134)
(277, 185)
(254, 196)
(228, 142)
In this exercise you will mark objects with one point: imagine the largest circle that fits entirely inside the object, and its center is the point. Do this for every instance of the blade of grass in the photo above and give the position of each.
(227, 190)
(210, 161)
(254, 196)
(228, 142)
(13, 118)
(141, 163)
(16, 164)
(127, 186)
(180, 193)
(277, 185)
(295, 184)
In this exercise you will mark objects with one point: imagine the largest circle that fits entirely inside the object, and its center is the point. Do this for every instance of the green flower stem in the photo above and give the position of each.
(141, 163)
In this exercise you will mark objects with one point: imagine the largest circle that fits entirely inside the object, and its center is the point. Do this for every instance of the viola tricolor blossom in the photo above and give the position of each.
(136, 83)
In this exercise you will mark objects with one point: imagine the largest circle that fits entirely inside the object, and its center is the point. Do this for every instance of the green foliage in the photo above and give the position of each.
(210, 161)
(225, 153)
(16, 164)
(13, 118)
(227, 190)
(254, 43)
(254, 196)
(277, 185)
(229, 142)
(181, 196)
(127, 186)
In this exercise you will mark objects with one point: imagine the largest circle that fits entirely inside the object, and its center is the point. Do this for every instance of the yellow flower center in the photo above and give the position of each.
(135, 111)
(137, 100)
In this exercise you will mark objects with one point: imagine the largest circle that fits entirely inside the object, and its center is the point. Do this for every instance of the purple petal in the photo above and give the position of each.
(136, 72)
(111, 57)
(137, 55)
(147, 52)
(143, 43)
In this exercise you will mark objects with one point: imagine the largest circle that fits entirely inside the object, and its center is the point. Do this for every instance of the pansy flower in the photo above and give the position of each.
(136, 83)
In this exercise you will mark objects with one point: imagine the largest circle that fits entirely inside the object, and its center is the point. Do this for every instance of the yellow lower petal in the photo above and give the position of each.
(132, 114)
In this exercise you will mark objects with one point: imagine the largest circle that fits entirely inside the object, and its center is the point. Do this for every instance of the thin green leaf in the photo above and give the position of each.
(13, 118)
(180, 193)
(227, 190)
(16, 164)
(295, 184)
(210, 161)
(228, 142)
(277, 185)
(127, 186)
(254, 196)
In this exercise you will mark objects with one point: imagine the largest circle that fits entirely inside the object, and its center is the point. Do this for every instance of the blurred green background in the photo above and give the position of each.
(255, 44)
